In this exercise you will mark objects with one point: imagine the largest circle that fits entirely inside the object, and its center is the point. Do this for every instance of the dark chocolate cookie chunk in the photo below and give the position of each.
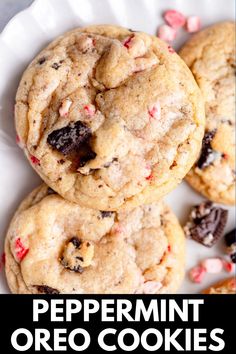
(44, 289)
(106, 214)
(70, 138)
(206, 223)
(230, 240)
(208, 155)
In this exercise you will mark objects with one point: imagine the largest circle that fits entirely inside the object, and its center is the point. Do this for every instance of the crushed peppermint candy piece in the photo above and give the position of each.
(90, 109)
(64, 109)
(170, 49)
(206, 223)
(127, 41)
(151, 287)
(155, 111)
(21, 250)
(174, 18)
(197, 274)
(212, 265)
(228, 266)
(167, 33)
(19, 142)
(34, 160)
(193, 24)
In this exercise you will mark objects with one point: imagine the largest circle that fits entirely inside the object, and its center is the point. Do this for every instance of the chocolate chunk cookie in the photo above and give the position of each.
(210, 55)
(54, 246)
(121, 111)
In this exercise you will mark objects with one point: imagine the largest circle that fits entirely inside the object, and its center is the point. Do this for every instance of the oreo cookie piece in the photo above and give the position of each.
(206, 223)
(230, 240)
(208, 155)
(44, 289)
(70, 138)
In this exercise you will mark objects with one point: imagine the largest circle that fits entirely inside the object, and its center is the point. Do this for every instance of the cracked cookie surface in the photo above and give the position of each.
(56, 246)
(109, 118)
(210, 55)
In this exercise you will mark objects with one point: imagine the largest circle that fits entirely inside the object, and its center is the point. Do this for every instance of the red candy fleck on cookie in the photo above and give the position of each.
(174, 18)
(228, 266)
(166, 33)
(21, 251)
(193, 24)
(155, 111)
(170, 49)
(212, 265)
(169, 248)
(89, 109)
(225, 156)
(127, 41)
(34, 160)
(197, 274)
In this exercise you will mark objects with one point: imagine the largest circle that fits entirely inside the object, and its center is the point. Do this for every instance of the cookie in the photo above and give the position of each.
(109, 118)
(227, 286)
(54, 246)
(210, 55)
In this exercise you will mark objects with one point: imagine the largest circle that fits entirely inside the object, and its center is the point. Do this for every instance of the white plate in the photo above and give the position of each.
(27, 33)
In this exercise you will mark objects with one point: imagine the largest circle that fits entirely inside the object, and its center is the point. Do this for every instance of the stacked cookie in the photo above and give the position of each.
(112, 120)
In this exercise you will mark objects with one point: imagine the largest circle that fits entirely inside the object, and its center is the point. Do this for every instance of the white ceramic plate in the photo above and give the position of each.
(29, 32)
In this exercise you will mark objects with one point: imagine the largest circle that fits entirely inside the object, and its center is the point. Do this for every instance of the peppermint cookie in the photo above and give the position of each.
(54, 246)
(227, 286)
(210, 55)
(109, 118)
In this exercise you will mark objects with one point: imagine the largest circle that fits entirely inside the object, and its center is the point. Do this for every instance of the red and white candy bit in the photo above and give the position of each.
(34, 160)
(228, 266)
(212, 265)
(65, 106)
(193, 24)
(19, 142)
(167, 33)
(170, 49)
(127, 42)
(155, 111)
(90, 109)
(152, 287)
(21, 251)
(197, 274)
(174, 18)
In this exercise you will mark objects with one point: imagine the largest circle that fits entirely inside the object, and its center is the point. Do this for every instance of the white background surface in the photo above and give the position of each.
(27, 33)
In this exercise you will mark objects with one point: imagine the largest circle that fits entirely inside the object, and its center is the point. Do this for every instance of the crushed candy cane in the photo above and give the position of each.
(167, 33)
(170, 49)
(212, 265)
(34, 160)
(193, 24)
(174, 18)
(64, 109)
(228, 266)
(197, 274)
(127, 41)
(21, 250)
(90, 109)
(155, 111)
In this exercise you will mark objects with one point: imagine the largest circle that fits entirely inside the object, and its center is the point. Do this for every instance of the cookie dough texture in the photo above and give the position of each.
(226, 286)
(210, 55)
(141, 111)
(55, 246)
